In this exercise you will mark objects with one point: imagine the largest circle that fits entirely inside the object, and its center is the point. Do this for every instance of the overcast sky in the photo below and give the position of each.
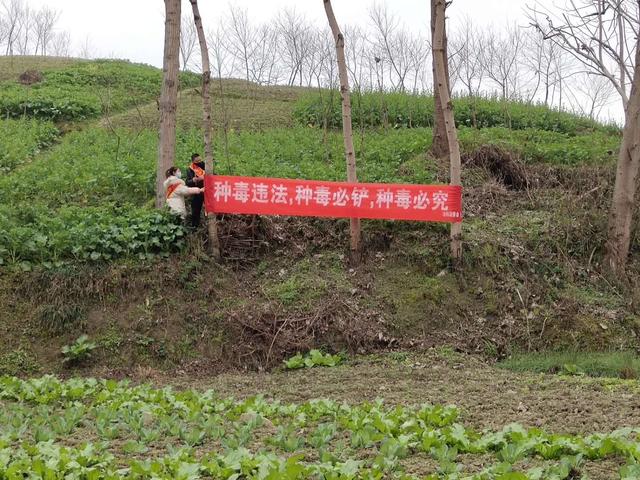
(133, 29)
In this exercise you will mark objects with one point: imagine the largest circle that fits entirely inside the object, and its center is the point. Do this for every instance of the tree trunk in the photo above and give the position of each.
(212, 227)
(621, 214)
(169, 95)
(356, 247)
(440, 146)
(440, 60)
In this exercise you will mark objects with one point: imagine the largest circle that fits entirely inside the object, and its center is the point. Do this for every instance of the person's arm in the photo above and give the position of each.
(190, 176)
(187, 191)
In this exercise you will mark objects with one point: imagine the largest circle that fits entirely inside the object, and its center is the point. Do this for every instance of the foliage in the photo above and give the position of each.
(540, 146)
(374, 109)
(85, 90)
(32, 235)
(597, 364)
(87, 428)
(314, 358)
(22, 139)
(85, 199)
(78, 351)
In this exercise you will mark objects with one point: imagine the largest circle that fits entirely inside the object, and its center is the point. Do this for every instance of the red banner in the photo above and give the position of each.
(309, 198)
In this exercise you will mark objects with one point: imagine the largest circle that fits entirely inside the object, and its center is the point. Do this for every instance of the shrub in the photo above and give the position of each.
(405, 110)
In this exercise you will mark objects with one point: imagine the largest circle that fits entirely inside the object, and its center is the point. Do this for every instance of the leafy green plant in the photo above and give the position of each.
(315, 358)
(398, 110)
(22, 139)
(79, 351)
(49, 411)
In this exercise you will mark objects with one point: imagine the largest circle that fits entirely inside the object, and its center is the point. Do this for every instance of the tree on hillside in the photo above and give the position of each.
(13, 11)
(44, 22)
(214, 242)
(468, 43)
(400, 50)
(356, 243)
(440, 144)
(61, 44)
(501, 59)
(603, 36)
(241, 39)
(169, 95)
(188, 41)
(438, 42)
(295, 43)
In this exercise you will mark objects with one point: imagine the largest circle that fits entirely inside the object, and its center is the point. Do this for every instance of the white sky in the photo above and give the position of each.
(133, 29)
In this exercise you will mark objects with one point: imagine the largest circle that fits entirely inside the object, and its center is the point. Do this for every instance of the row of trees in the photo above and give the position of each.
(28, 31)
(515, 62)
(382, 54)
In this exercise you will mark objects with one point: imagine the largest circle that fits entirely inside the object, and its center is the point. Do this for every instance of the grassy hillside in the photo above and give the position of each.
(81, 249)
(83, 90)
(11, 67)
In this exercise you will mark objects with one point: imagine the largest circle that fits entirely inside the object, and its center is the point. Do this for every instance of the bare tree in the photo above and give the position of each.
(356, 54)
(500, 58)
(220, 56)
(295, 42)
(61, 44)
(25, 29)
(207, 125)
(603, 35)
(241, 38)
(393, 44)
(4, 30)
(44, 22)
(598, 33)
(628, 168)
(547, 64)
(169, 95)
(188, 41)
(86, 48)
(592, 94)
(356, 247)
(438, 9)
(12, 13)
(265, 69)
(469, 43)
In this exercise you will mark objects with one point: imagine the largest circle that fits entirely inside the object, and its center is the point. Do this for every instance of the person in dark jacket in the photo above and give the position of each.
(195, 178)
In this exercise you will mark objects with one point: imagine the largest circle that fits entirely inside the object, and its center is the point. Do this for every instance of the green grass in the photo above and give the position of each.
(597, 364)
(42, 201)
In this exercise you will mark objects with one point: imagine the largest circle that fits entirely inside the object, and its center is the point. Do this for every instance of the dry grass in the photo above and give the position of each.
(242, 105)
(12, 66)
(489, 397)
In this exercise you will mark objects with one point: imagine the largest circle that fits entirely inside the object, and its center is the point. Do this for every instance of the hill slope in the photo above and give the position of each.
(82, 250)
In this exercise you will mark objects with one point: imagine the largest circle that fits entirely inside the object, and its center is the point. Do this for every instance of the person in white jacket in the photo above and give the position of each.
(175, 192)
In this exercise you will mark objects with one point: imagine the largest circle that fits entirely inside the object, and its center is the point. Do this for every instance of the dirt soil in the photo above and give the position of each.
(488, 397)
